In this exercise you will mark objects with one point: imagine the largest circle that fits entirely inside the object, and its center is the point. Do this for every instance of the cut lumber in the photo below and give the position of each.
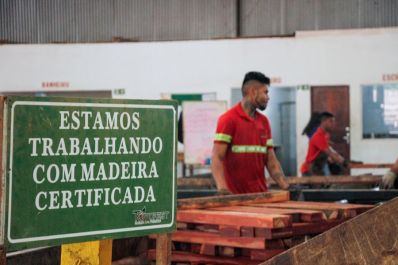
(196, 182)
(210, 238)
(370, 238)
(297, 214)
(370, 165)
(229, 252)
(273, 233)
(300, 229)
(179, 256)
(332, 210)
(341, 180)
(207, 249)
(234, 218)
(229, 230)
(247, 231)
(230, 200)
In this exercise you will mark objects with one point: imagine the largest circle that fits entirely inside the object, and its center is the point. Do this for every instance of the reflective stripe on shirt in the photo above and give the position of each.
(223, 137)
(249, 149)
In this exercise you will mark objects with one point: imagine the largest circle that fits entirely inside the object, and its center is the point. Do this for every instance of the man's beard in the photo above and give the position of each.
(262, 107)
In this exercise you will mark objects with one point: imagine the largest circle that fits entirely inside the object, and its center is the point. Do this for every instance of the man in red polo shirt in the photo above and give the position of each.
(319, 150)
(243, 142)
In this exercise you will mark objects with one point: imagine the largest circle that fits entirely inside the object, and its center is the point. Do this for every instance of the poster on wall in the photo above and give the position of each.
(199, 126)
(380, 111)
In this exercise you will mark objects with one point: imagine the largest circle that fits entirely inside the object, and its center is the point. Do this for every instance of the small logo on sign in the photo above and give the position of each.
(142, 217)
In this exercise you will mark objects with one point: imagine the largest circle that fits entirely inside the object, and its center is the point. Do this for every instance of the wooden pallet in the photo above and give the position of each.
(251, 230)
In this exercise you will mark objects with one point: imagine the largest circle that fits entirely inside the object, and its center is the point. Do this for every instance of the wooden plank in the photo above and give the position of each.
(334, 205)
(328, 213)
(328, 180)
(210, 238)
(330, 209)
(297, 214)
(370, 165)
(247, 231)
(300, 229)
(229, 230)
(180, 256)
(370, 238)
(196, 182)
(228, 252)
(163, 249)
(341, 180)
(204, 227)
(230, 200)
(207, 249)
(273, 233)
(358, 208)
(234, 218)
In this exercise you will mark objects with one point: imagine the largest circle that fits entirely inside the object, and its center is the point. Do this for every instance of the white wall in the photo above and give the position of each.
(145, 70)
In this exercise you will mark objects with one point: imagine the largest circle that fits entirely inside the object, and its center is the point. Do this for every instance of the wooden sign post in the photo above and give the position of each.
(79, 170)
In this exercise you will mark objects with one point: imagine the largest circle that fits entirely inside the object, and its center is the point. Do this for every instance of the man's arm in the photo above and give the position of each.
(218, 155)
(336, 157)
(275, 170)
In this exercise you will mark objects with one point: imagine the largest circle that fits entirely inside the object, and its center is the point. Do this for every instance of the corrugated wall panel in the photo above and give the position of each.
(339, 14)
(301, 15)
(94, 20)
(381, 13)
(134, 20)
(262, 18)
(18, 21)
(48, 21)
(56, 21)
(145, 20)
(194, 19)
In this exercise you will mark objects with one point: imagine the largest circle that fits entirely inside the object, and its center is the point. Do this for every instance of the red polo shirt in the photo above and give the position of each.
(319, 142)
(248, 140)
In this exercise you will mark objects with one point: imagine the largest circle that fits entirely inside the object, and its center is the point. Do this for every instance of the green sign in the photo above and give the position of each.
(81, 169)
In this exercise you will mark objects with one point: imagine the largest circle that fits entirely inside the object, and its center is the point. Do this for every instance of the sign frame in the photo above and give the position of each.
(60, 238)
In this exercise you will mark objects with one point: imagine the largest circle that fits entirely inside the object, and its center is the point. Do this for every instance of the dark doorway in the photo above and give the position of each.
(281, 111)
(335, 99)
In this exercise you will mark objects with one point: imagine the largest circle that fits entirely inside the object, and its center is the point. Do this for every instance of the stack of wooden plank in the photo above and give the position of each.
(251, 231)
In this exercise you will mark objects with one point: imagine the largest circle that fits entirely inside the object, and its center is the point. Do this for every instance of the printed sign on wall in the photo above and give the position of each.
(200, 122)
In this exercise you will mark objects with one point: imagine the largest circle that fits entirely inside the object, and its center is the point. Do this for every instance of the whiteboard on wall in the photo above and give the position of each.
(199, 125)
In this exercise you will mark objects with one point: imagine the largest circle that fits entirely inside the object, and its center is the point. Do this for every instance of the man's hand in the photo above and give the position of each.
(388, 180)
(284, 185)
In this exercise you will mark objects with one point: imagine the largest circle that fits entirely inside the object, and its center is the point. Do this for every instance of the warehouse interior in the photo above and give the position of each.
(335, 56)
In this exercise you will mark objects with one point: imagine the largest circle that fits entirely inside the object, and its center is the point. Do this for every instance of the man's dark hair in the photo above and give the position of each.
(312, 124)
(326, 115)
(257, 76)
(254, 76)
